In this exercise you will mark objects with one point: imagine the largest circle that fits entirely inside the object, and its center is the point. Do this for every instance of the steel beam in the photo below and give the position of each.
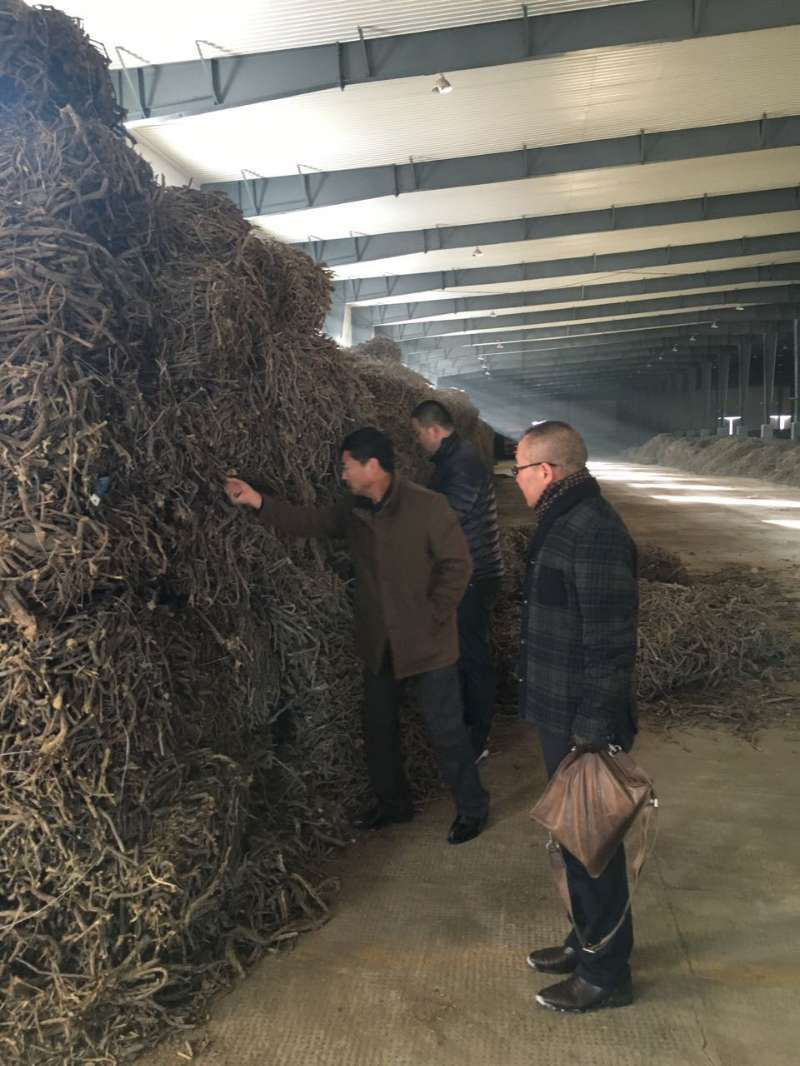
(765, 313)
(395, 314)
(356, 290)
(469, 354)
(299, 192)
(475, 326)
(613, 375)
(600, 359)
(642, 357)
(208, 84)
(727, 333)
(590, 345)
(346, 250)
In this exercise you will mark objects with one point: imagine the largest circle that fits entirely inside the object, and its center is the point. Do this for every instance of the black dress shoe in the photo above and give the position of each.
(576, 996)
(562, 959)
(375, 818)
(465, 828)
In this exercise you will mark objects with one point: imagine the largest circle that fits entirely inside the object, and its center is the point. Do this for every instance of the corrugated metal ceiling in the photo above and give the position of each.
(570, 98)
(582, 96)
(159, 32)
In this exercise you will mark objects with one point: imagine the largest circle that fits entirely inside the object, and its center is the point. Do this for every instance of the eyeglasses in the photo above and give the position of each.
(544, 462)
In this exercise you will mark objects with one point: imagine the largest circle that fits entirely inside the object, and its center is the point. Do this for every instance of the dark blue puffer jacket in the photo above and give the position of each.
(460, 475)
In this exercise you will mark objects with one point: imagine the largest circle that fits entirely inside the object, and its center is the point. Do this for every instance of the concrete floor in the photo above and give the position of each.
(423, 963)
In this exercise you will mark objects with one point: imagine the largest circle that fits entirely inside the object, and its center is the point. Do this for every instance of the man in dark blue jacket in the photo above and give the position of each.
(579, 629)
(461, 475)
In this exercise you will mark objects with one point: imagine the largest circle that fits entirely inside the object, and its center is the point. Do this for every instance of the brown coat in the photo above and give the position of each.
(412, 566)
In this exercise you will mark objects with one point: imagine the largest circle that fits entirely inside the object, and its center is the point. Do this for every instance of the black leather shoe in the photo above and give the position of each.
(562, 959)
(576, 996)
(375, 818)
(464, 829)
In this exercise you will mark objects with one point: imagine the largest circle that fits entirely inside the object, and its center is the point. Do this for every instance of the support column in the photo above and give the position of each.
(707, 411)
(770, 358)
(794, 430)
(745, 357)
(723, 377)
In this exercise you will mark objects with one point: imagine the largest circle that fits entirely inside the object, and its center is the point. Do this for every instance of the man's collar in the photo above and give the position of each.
(388, 501)
(447, 446)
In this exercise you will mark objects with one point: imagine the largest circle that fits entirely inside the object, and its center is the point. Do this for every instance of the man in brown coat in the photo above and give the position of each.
(411, 566)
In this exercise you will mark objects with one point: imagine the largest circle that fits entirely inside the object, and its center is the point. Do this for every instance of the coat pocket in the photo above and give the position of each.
(551, 589)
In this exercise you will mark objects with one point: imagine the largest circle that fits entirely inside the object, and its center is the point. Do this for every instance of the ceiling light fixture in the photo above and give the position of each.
(442, 86)
(477, 253)
(693, 338)
(714, 325)
(739, 307)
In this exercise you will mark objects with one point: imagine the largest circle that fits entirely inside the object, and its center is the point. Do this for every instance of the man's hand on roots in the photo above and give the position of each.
(240, 493)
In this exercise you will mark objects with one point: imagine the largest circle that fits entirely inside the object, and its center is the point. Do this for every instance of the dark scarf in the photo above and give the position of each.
(557, 489)
(557, 499)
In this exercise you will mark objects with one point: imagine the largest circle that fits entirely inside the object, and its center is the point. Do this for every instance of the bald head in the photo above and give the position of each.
(557, 443)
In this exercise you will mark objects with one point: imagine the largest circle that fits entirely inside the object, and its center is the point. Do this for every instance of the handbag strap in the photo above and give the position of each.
(647, 840)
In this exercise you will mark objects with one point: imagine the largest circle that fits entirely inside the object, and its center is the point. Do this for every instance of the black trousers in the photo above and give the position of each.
(440, 700)
(476, 663)
(597, 902)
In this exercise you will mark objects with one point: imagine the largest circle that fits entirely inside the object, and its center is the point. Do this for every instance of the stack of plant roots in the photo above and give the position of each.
(708, 633)
(775, 460)
(179, 701)
(395, 392)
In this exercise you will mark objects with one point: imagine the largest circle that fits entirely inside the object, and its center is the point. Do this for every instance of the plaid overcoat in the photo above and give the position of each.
(579, 621)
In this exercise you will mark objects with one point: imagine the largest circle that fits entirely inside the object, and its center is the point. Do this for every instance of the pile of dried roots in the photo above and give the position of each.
(771, 460)
(179, 701)
(715, 631)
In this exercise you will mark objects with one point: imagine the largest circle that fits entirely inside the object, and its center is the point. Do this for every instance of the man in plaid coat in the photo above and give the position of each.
(579, 629)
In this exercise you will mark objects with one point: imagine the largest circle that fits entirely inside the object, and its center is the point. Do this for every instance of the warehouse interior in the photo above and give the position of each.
(231, 235)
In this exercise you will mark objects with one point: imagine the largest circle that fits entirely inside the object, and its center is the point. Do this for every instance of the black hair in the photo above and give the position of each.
(564, 444)
(370, 443)
(433, 413)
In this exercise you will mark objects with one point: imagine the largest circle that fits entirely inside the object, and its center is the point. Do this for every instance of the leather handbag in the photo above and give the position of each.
(588, 807)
